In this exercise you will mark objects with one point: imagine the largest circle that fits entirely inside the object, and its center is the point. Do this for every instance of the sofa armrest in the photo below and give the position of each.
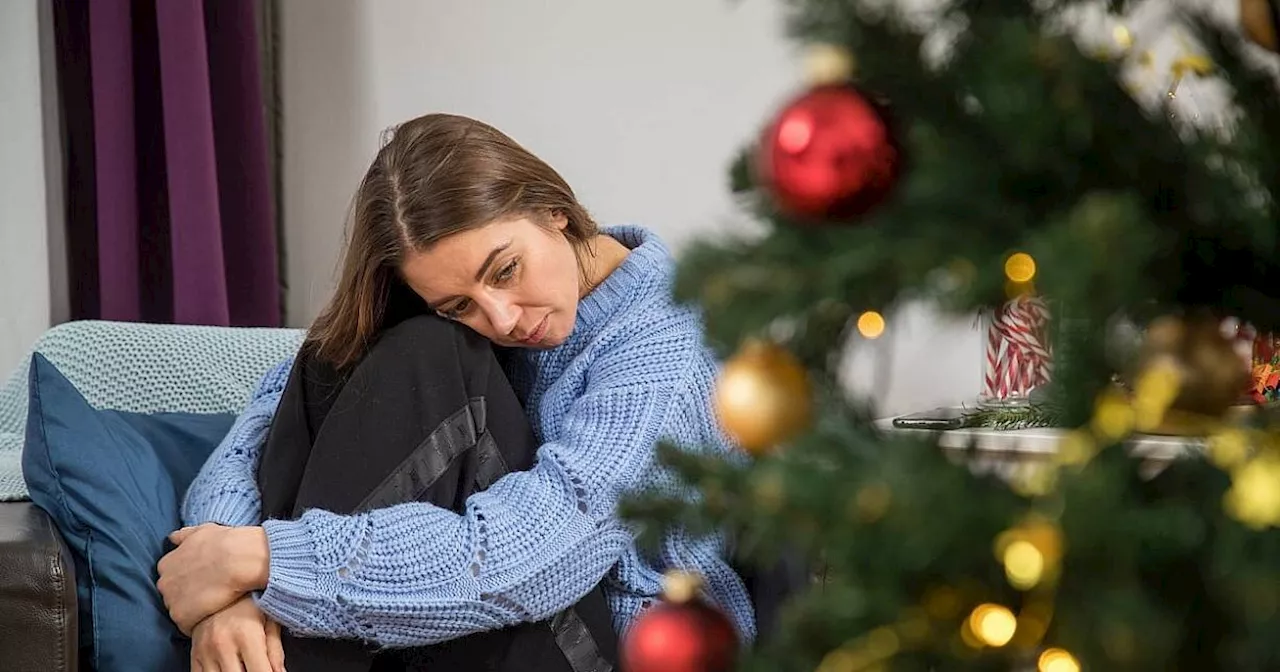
(38, 620)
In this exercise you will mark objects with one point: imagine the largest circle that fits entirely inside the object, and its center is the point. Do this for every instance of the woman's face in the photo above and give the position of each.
(513, 281)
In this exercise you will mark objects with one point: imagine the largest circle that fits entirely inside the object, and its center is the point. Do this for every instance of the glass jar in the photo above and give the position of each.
(1017, 355)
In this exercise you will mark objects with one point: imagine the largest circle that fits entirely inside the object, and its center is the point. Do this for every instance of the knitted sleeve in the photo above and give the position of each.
(531, 545)
(225, 491)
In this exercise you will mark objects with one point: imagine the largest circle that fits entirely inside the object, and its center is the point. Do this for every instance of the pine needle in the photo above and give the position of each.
(1014, 417)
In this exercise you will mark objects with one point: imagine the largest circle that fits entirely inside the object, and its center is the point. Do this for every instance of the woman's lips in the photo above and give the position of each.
(538, 333)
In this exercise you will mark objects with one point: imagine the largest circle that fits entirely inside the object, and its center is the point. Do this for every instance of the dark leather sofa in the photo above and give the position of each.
(38, 629)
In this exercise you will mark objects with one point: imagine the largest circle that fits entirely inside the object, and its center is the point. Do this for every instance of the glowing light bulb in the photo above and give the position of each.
(1020, 267)
(1023, 564)
(871, 324)
(1057, 660)
(993, 624)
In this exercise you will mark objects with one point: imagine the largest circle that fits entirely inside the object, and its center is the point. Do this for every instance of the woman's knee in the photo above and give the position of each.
(428, 337)
(418, 331)
(427, 345)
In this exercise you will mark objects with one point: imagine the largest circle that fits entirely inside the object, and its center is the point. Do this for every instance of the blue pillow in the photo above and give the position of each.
(112, 482)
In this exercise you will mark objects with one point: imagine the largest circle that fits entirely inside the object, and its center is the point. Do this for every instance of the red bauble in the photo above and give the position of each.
(829, 155)
(685, 637)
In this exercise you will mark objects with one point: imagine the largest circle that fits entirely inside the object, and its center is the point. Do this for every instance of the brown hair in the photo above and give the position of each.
(435, 176)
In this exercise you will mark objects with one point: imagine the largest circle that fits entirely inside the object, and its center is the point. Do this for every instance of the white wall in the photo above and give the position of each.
(24, 263)
(632, 101)
(641, 105)
(329, 136)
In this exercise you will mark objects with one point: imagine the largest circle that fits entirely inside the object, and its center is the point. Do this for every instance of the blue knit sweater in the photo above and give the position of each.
(634, 371)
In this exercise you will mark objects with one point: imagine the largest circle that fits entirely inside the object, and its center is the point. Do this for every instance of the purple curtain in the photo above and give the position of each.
(169, 184)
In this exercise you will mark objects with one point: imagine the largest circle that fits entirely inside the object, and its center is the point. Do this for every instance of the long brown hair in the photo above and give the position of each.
(435, 176)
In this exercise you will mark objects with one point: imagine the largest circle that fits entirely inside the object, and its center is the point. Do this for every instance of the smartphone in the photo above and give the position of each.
(941, 418)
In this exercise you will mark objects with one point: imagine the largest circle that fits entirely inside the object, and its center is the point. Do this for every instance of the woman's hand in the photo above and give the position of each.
(237, 638)
(211, 567)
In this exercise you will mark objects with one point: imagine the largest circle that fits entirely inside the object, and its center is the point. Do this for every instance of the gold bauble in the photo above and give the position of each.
(762, 397)
(1261, 21)
(1211, 376)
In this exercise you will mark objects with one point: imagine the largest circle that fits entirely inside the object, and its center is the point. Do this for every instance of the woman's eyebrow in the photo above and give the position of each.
(488, 261)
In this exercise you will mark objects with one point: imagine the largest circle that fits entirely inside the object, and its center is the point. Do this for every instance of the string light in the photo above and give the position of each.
(1031, 553)
(1057, 660)
(1023, 564)
(993, 624)
(1020, 267)
(871, 324)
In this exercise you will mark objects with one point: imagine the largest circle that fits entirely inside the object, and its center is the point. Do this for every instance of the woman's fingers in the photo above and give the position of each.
(254, 655)
(179, 536)
(239, 638)
(228, 661)
(275, 646)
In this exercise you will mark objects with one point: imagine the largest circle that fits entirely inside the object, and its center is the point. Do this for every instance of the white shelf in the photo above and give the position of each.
(1021, 444)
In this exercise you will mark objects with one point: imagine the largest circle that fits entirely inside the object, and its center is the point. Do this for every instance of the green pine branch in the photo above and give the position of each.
(1029, 416)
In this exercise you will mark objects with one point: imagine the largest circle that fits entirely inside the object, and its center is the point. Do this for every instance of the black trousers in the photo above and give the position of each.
(428, 415)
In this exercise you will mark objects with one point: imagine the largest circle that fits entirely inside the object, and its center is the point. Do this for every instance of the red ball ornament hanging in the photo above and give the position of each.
(681, 633)
(829, 155)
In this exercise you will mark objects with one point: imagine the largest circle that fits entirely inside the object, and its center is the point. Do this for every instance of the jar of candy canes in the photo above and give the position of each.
(1017, 356)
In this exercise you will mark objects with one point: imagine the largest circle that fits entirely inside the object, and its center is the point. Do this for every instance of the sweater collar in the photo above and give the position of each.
(648, 263)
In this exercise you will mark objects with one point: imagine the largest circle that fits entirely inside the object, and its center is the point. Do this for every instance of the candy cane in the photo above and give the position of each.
(1005, 368)
(1018, 359)
(1012, 364)
(1025, 328)
(1026, 318)
(1021, 385)
(993, 381)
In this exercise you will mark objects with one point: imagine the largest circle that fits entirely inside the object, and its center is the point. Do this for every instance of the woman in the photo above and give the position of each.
(360, 500)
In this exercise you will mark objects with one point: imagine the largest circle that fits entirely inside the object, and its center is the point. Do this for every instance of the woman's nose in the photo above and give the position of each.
(504, 317)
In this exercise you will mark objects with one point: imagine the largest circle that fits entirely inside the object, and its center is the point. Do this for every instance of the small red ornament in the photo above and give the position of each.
(829, 154)
(680, 634)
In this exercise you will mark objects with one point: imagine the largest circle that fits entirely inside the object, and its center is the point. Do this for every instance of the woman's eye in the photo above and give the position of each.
(507, 272)
(458, 310)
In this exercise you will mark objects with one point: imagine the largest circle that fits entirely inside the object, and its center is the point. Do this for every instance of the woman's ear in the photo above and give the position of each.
(559, 220)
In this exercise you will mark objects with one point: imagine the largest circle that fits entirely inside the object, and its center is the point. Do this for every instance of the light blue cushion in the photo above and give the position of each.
(112, 482)
(143, 368)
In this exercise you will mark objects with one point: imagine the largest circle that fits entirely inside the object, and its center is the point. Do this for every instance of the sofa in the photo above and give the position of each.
(133, 368)
(38, 622)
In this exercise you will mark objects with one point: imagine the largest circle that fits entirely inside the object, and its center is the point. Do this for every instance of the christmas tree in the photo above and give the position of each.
(977, 155)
